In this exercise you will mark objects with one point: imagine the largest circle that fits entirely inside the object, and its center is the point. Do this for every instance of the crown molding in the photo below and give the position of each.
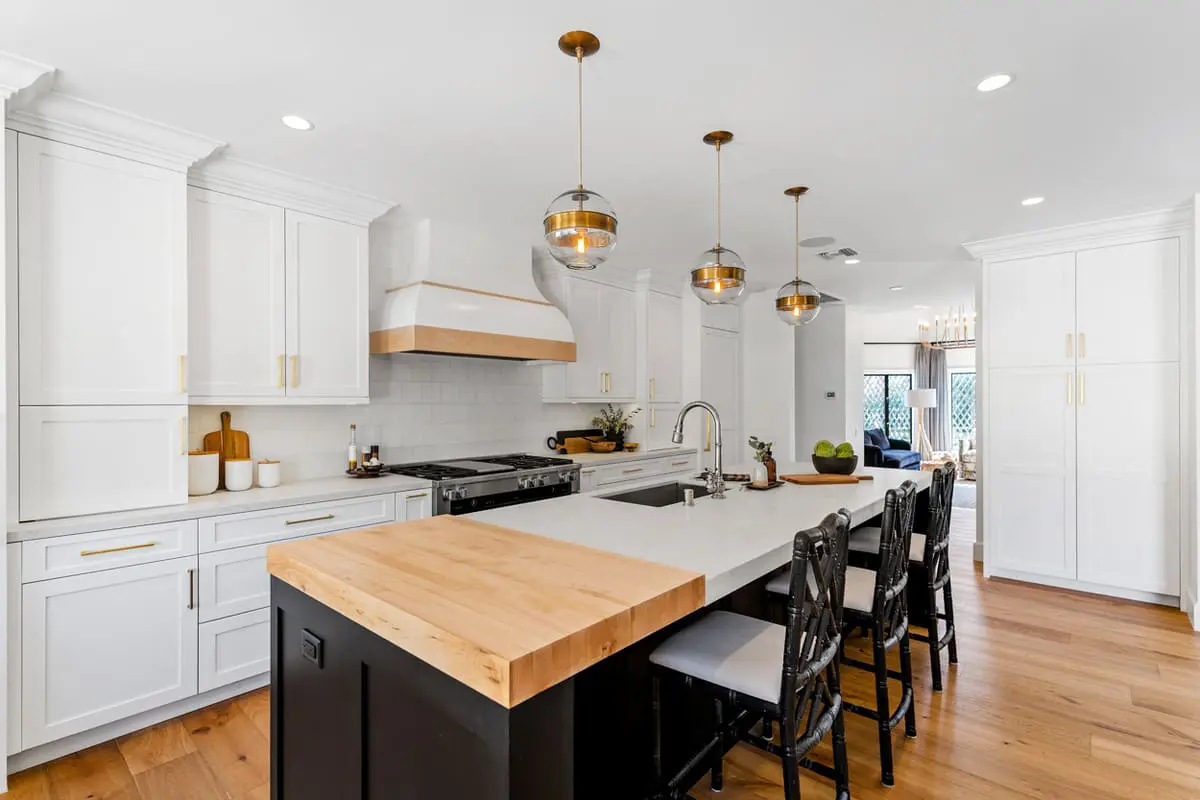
(20, 74)
(254, 182)
(1176, 221)
(68, 119)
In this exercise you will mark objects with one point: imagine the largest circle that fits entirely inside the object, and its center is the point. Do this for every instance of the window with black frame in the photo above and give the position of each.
(962, 405)
(884, 404)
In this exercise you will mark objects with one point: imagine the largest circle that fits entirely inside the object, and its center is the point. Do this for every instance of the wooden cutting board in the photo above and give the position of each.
(229, 443)
(819, 480)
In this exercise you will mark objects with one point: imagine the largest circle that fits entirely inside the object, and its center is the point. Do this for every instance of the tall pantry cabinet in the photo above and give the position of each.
(1081, 465)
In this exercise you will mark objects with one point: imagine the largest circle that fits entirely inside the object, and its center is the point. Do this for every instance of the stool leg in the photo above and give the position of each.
(949, 595)
(656, 707)
(882, 706)
(841, 762)
(910, 716)
(791, 768)
(935, 652)
(717, 780)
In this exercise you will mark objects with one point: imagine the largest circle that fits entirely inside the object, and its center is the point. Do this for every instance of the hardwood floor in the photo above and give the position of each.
(1057, 695)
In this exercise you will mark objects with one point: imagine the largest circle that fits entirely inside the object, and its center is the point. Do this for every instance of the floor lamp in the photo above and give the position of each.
(921, 399)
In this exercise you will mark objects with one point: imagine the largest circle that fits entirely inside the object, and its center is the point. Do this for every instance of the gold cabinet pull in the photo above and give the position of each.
(310, 519)
(607, 382)
(191, 589)
(183, 374)
(122, 549)
(631, 470)
(652, 388)
(183, 436)
(601, 382)
(1082, 389)
(280, 372)
(416, 496)
(587, 471)
(1070, 384)
(652, 418)
(680, 463)
(1082, 346)
(1070, 346)
(295, 371)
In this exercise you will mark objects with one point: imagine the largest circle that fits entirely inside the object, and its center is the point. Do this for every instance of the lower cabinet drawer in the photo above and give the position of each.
(234, 648)
(291, 522)
(233, 581)
(686, 463)
(629, 471)
(60, 556)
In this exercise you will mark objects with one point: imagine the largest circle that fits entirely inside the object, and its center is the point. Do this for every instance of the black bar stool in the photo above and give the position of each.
(761, 673)
(929, 572)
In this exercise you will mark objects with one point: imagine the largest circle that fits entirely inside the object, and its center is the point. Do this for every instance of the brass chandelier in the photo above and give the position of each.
(720, 274)
(581, 226)
(798, 302)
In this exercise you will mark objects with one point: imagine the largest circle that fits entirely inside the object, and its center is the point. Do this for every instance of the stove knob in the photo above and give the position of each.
(564, 477)
(460, 493)
(447, 494)
(522, 483)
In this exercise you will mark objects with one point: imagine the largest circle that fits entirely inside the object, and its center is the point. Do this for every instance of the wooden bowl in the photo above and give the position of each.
(631, 447)
(832, 465)
(603, 447)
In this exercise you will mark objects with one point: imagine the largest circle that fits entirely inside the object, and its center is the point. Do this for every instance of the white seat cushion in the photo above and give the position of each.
(860, 589)
(730, 650)
(866, 540)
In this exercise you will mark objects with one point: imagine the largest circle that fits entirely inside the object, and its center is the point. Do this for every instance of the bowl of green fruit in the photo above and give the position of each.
(831, 460)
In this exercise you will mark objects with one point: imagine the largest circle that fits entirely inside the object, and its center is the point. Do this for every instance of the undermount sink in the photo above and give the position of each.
(659, 495)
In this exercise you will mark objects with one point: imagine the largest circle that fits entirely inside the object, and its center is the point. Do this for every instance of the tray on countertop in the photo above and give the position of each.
(764, 487)
(817, 479)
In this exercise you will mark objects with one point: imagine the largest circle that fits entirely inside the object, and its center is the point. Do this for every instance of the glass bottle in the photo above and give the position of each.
(352, 455)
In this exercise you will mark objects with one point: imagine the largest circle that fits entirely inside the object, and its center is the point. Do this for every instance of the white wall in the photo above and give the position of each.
(821, 361)
(768, 375)
(422, 407)
(903, 358)
(855, 358)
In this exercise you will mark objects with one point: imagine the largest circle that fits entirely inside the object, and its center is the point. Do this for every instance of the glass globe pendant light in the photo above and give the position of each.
(720, 274)
(581, 227)
(798, 302)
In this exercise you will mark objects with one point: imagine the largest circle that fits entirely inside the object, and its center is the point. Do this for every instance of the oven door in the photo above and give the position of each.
(470, 504)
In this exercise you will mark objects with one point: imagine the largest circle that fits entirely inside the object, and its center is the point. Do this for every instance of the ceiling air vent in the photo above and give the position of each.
(844, 252)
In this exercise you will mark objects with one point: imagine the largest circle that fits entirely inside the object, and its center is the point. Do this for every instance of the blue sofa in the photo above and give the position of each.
(880, 451)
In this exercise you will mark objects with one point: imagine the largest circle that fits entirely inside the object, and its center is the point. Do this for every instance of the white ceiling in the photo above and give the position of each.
(464, 107)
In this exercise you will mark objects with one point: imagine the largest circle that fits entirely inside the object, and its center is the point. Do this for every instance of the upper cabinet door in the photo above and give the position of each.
(1030, 313)
(586, 377)
(619, 312)
(721, 385)
(1127, 303)
(235, 296)
(327, 325)
(664, 349)
(102, 254)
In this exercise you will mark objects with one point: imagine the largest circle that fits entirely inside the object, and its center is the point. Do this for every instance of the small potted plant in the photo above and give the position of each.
(614, 422)
(764, 456)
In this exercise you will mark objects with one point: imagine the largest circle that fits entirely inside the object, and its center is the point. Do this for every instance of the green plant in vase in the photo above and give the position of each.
(614, 423)
(764, 456)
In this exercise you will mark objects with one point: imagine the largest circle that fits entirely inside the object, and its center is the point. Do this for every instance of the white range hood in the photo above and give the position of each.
(462, 293)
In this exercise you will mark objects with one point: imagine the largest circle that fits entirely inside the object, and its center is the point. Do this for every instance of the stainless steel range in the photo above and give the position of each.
(464, 485)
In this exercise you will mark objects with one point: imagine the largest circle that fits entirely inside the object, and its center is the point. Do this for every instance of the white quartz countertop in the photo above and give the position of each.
(596, 459)
(731, 542)
(288, 494)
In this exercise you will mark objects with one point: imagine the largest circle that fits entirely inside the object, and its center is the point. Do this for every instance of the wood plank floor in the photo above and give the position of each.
(1057, 695)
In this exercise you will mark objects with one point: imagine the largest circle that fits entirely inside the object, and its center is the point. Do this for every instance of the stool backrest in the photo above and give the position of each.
(814, 622)
(937, 535)
(895, 537)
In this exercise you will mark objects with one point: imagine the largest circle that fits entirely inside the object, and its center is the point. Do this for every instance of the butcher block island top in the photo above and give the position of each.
(509, 614)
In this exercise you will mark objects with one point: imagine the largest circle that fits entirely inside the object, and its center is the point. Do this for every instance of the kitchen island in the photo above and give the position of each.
(502, 654)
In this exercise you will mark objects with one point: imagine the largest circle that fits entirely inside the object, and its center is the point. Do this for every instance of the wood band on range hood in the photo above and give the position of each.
(451, 341)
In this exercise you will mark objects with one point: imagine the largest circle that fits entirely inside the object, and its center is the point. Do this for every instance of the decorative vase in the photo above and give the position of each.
(771, 473)
(619, 438)
(759, 474)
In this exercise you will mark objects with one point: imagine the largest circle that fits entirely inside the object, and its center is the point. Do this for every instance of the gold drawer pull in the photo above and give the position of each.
(122, 549)
(680, 463)
(417, 496)
(183, 374)
(310, 519)
(295, 371)
(280, 372)
(587, 471)
(628, 471)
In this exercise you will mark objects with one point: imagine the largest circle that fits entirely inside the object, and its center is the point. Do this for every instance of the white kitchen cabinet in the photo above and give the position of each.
(1129, 500)
(1031, 303)
(664, 348)
(91, 459)
(236, 298)
(233, 582)
(1031, 470)
(726, 316)
(102, 262)
(656, 423)
(234, 648)
(1142, 278)
(721, 385)
(414, 505)
(292, 522)
(106, 645)
(604, 321)
(327, 323)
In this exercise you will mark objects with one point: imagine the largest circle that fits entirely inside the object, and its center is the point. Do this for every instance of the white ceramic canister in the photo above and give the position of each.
(268, 474)
(203, 471)
(239, 474)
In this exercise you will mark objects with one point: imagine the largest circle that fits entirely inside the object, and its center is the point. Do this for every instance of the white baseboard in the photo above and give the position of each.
(1088, 588)
(1189, 606)
(81, 741)
(979, 552)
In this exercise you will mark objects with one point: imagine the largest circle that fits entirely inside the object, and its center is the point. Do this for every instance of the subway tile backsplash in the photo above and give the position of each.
(422, 407)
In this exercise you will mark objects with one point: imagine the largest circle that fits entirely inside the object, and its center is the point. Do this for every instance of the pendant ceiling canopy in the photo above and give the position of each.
(581, 226)
(720, 274)
(798, 302)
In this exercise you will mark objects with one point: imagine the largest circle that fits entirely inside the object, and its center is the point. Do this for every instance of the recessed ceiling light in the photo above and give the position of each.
(852, 261)
(297, 123)
(895, 288)
(1032, 201)
(994, 82)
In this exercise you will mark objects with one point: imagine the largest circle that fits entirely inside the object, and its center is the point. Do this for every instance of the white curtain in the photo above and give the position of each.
(933, 374)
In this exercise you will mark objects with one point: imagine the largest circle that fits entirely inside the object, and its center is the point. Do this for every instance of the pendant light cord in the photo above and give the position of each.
(718, 195)
(579, 59)
(796, 246)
